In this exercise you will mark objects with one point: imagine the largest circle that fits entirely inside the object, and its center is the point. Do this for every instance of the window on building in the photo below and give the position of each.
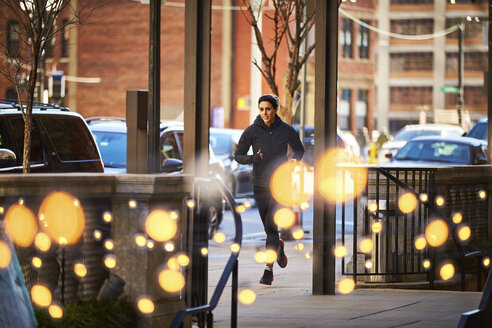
(361, 110)
(346, 38)
(473, 97)
(417, 96)
(344, 110)
(474, 61)
(10, 93)
(412, 61)
(64, 38)
(13, 39)
(363, 41)
(411, 2)
(473, 29)
(412, 26)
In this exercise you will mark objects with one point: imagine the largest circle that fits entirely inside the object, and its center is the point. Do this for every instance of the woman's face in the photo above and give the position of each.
(267, 112)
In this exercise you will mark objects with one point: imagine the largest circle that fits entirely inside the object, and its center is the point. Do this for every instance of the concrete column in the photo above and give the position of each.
(73, 60)
(226, 88)
(439, 49)
(383, 65)
(256, 78)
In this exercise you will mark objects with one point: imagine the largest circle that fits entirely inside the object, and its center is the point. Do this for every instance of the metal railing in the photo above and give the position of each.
(230, 268)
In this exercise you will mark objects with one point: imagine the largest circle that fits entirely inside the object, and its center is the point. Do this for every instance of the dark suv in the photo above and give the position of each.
(60, 140)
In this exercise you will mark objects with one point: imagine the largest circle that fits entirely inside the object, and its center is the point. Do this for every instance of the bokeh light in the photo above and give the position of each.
(42, 242)
(36, 262)
(340, 251)
(271, 256)
(55, 311)
(173, 263)
(333, 180)
(368, 264)
(107, 217)
(247, 296)
(183, 260)
(150, 244)
(420, 243)
(190, 203)
(20, 225)
(219, 237)
(140, 240)
(464, 232)
(366, 245)
(304, 206)
(171, 281)
(240, 208)
(247, 203)
(97, 235)
(204, 251)
(235, 247)
(285, 184)
(377, 227)
(482, 194)
(80, 269)
(457, 218)
(297, 233)
(160, 226)
(284, 218)
(436, 233)
(308, 255)
(407, 202)
(373, 207)
(486, 262)
(132, 203)
(423, 197)
(260, 257)
(5, 255)
(41, 295)
(169, 246)
(2, 210)
(439, 201)
(63, 217)
(299, 247)
(346, 286)
(426, 264)
(447, 271)
(110, 261)
(145, 305)
(108, 244)
(174, 215)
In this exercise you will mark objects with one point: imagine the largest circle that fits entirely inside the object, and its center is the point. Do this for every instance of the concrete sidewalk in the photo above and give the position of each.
(289, 302)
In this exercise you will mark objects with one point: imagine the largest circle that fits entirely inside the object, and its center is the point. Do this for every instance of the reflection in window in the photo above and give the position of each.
(361, 110)
(17, 125)
(346, 38)
(344, 110)
(13, 39)
(363, 41)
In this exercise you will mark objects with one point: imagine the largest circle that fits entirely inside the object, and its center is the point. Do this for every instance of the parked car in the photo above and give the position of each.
(238, 177)
(110, 135)
(345, 140)
(411, 131)
(60, 140)
(436, 150)
(479, 130)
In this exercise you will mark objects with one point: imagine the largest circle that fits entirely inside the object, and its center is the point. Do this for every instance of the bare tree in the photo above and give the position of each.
(33, 23)
(291, 26)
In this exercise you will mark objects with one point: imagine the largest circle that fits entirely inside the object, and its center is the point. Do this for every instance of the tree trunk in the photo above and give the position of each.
(26, 158)
(285, 112)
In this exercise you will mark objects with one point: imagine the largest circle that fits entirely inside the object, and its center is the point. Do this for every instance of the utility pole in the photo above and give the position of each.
(461, 29)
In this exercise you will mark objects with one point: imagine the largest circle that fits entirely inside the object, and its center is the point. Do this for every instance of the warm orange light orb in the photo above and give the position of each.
(108, 244)
(368, 264)
(447, 271)
(107, 217)
(407, 202)
(145, 305)
(160, 226)
(377, 227)
(235, 247)
(247, 203)
(42, 242)
(373, 207)
(260, 257)
(464, 233)
(110, 261)
(171, 281)
(174, 215)
(55, 311)
(366, 245)
(169, 246)
(190, 203)
(420, 243)
(297, 233)
(486, 262)
(271, 256)
(308, 255)
(285, 184)
(21, 225)
(436, 233)
(62, 217)
(426, 264)
(284, 218)
(204, 251)
(140, 240)
(36, 262)
(482, 194)
(299, 247)
(439, 201)
(183, 260)
(41, 295)
(132, 203)
(240, 208)
(247, 296)
(340, 251)
(339, 172)
(97, 235)
(219, 237)
(80, 270)
(304, 206)
(173, 263)
(457, 218)
(150, 244)
(5, 255)
(424, 198)
(346, 286)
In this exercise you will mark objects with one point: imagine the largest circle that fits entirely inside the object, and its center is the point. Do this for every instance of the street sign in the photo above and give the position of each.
(449, 89)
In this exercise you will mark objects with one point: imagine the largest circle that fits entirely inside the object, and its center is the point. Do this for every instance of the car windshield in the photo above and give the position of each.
(479, 131)
(112, 147)
(406, 135)
(435, 151)
(221, 143)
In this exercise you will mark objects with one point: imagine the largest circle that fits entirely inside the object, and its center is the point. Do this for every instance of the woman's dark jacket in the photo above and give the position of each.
(273, 143)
